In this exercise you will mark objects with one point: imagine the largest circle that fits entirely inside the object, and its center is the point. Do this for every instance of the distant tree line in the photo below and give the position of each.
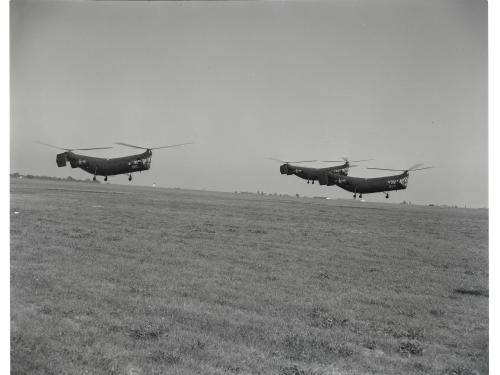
(69, 178)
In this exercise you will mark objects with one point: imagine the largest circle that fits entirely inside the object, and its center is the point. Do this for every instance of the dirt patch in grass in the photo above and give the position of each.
(411, 347)
(472, 292)
(148, 331)
(459, 371)
(437, 312)
(410, 333)
(166, 358)
(257, 231)
(323, 275)
(370, 344)
(293, 370)
(324, 319)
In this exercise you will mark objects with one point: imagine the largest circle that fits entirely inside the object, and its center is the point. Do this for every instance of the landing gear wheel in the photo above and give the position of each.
(106, 178)
(93, 179)
(354, 195)
(313, 182)
(387, 196)
(130, 177)
(307, 181)
(360, 196)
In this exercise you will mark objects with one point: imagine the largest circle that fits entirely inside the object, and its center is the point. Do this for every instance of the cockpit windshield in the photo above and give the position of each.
(342, 171)
(404, 181)
(141, 162)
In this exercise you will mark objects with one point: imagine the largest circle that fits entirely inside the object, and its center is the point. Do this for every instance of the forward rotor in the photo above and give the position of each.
(344, 159)
(152, 148)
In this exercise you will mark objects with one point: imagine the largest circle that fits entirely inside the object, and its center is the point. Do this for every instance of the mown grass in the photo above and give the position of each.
(126, 280)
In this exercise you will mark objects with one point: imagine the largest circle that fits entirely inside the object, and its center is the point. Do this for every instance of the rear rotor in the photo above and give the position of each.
(289, 162)
(413, 168)
(345, 160)
(74, 149)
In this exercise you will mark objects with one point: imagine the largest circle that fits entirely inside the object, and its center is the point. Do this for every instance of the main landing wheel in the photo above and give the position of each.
(94, 178)
(106, 178)
(354, 195)
(313, 182)
(307, 181)
(130, 177)
(387, 196)
(360, 196)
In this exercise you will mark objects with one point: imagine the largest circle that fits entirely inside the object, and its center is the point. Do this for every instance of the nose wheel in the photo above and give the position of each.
(387, 196)
(106, 178)
(130, 177)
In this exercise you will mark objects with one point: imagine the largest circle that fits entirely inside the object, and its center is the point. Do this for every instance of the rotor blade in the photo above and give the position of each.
(91, 148)
(288, 162)
(387, 169)
(357, 161)
(46, 144)
(278, 160)
(129, 145)
(419, 169)
(71, 149)
(180, 144)
(414, 166)
(345, 159)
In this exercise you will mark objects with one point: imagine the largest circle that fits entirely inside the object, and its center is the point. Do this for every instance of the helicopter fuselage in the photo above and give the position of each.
(106, 167)
(313, 174)
(369, 185)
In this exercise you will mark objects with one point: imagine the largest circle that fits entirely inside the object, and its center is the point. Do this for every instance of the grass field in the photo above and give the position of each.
(109, 279)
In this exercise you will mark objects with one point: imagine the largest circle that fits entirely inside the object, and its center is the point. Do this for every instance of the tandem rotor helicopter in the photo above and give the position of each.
(314, 174)
(338, 175)
(359, 185)
(108, 167)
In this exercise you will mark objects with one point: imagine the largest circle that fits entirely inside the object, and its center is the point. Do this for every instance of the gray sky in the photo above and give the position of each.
(402, 82)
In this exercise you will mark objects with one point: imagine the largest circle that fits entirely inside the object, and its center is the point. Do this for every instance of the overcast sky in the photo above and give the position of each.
(402, 82)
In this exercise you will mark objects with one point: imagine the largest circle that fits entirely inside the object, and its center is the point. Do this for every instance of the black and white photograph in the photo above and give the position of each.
(249, 187)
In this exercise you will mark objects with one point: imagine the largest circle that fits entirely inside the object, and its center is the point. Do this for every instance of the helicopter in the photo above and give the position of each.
(314, 174)
(108, 167)
(358, 185)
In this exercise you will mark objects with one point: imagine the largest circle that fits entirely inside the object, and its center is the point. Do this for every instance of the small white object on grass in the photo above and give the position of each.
(16, 212)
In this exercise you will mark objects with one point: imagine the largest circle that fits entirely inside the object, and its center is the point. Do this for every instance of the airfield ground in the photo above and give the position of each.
(109, 279)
